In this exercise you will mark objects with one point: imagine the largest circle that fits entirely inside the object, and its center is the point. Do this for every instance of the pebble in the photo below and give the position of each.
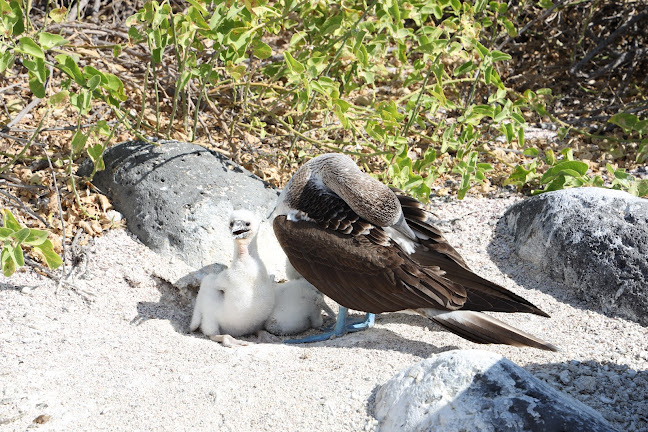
(585, 384)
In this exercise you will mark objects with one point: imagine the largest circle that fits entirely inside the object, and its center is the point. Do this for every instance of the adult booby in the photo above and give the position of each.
(375, 250)
(238, 300)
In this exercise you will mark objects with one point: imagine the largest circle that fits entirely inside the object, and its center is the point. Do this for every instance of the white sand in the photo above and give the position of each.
(124, 361)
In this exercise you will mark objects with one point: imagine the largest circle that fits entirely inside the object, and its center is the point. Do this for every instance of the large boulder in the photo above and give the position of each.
(475, 390)
(594, 241)
(177, 197)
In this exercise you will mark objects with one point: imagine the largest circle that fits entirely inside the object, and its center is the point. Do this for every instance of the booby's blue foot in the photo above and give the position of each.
(341, 327)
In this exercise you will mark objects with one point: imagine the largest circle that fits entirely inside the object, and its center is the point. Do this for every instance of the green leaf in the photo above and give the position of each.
(6, 60)
(46, 249)
(59, 99)
(8, 265)
(625, 121)
(557, 184)
(68, 65)
(113, 83)
(260, 49)
(28, 46)
(344, 120)
(20, 235)
(521, 175)
(236, 72)
(17, 19)
(545, 4)
(641, 127)
(9, 221)
(58, 15)
(96, 154)
(49, 40)
(642, 187)
(464, 68)
(37, 67)
(484, 110)
(94, 82)
(5, 233)
(196, 15)
(518, 118)
(78, 142)
(331, 24)
(17, 255)
(117, 50)
(481, 49)
(571, 168)
(90, 72)
(198, 6)
(484, 167)
(500, 56)
(533, 152)
(507, 128)
(36, 86)
(434, 46)
(510, 27)
(36, 237)
(293, 64)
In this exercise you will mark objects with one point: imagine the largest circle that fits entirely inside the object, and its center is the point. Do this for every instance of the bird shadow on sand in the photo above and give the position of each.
(379, 337)
(177, 308)
(11, 287)
(172, 306)
(385, 340)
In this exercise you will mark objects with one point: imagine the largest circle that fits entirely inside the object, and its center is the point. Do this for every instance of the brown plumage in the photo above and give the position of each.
(335, 230)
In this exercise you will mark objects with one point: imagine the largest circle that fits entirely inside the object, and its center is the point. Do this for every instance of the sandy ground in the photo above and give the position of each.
(124, 360)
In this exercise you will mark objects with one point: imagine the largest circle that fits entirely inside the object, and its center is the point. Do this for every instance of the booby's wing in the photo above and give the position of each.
(482, 294)
(359, 272)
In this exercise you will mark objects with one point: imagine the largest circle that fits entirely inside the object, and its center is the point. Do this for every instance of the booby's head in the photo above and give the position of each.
(243, 225)
(338, 173)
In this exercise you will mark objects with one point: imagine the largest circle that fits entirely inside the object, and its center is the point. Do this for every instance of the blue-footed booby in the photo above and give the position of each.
(374, 249)
(238, 300)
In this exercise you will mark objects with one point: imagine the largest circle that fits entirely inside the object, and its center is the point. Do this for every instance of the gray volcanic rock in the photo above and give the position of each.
(594, 241)
(474, 390)
(177, 198)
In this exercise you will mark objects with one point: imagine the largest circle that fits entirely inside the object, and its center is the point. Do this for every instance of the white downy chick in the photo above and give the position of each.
(238, 300)
(298, 306)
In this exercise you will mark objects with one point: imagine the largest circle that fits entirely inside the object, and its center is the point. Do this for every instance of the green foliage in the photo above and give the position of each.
(36, 49)
(567, 172)
(334, 51)
(632, 124)
(14, 237)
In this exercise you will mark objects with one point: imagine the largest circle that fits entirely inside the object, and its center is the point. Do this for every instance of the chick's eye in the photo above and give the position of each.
(231, 223)
(247, 223)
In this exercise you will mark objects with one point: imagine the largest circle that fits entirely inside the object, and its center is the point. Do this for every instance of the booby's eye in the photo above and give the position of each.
(231, 224)
(247, 223)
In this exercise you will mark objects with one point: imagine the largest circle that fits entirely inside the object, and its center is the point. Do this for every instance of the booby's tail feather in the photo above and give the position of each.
(481, 328)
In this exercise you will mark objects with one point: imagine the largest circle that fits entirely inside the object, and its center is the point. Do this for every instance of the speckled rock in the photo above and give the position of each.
(177, 197)
(474, 390)
(592, 240)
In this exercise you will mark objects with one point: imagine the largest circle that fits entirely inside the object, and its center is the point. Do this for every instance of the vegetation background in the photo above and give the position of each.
(434, 97)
